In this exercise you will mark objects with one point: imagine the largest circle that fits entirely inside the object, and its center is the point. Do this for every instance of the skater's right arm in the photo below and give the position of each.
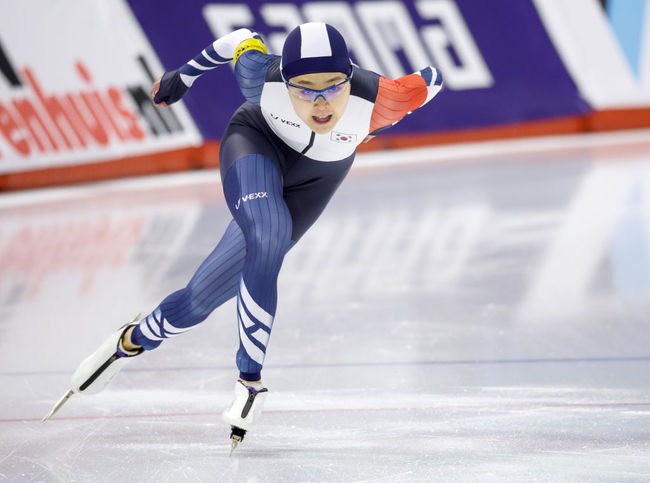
(172, 86)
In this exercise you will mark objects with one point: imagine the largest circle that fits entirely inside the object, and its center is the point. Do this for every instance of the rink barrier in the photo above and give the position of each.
(511, 70)
(613, 119)
(601, 121)
(206, 156)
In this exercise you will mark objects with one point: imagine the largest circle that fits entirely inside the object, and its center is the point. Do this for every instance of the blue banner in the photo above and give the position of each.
(497, 60)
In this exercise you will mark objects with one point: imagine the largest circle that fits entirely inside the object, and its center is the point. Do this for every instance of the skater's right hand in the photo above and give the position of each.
(168, 89)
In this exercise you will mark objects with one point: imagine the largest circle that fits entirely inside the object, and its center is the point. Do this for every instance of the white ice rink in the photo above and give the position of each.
(476, 313)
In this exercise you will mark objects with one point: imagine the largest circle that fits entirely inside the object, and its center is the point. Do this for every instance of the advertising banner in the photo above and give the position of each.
(498, 63)
(608, 56)
(74, 87)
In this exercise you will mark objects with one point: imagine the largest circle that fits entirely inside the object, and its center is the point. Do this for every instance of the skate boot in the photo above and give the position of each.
(245, 409)
(95, 372)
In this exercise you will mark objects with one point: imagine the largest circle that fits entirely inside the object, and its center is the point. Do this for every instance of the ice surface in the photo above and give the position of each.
(481, 319)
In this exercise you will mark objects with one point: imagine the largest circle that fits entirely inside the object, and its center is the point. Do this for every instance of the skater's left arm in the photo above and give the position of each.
(398, 98)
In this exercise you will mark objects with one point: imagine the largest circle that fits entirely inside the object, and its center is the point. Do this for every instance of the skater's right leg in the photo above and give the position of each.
(216, 281)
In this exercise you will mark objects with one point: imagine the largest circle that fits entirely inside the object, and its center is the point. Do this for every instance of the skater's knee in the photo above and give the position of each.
(270, 243)
(197, 308)
(185, 307)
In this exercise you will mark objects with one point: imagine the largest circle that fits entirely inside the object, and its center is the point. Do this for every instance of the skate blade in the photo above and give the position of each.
(235, 440)
(58, 405)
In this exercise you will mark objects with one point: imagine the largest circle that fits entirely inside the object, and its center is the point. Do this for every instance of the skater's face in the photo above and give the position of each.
(319, 111)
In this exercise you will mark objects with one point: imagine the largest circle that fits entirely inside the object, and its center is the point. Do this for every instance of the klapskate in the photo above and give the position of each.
(95, 372)
(245, 409)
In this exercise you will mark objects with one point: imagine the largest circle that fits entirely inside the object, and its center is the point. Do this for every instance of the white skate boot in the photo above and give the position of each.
(245, 409)
(96, 370)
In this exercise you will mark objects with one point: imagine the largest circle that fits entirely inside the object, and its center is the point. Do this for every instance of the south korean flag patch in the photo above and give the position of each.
(339, 137)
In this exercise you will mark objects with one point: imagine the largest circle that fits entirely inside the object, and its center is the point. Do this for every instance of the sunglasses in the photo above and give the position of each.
(307, 94)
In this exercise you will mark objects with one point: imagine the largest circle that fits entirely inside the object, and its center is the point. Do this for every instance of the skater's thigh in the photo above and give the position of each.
(254, 194)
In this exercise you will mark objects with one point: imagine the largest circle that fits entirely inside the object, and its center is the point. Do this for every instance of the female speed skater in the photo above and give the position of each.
(284, 153)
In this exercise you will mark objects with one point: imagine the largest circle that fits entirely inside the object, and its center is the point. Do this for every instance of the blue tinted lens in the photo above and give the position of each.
(311, 95)
(333, 91)
(306, 94)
